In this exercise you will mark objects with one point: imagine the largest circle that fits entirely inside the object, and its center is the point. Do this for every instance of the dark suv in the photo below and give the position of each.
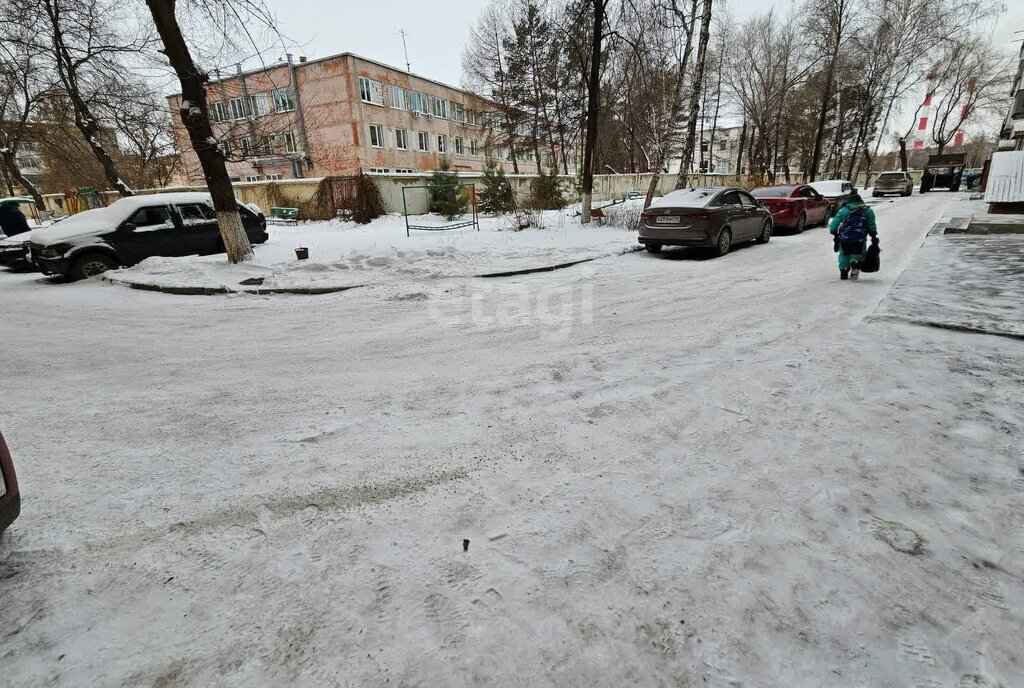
(132, 229)
(10, 497)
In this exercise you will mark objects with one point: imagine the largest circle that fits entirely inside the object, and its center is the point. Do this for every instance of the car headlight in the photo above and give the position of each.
(54, 251)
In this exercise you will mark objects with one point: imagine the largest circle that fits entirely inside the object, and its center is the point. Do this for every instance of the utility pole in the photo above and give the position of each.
(403, 34)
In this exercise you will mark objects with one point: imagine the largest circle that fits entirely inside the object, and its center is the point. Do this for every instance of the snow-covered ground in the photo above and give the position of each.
(344, 253)
(671, 471)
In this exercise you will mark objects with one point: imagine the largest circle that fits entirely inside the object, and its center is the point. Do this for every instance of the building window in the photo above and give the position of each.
(401, 139)
(403, 170)
(376, 136)
(259, 104)
(419, 102)
(440, 107)
(219, 111)
(225, 147)
(396, 97)
(458, 145)
(458, 112)
(289, 142)
(473, 147)
(283, 101)
(274, 177)
(245, 146)
(252, 178)
(922, 124)
(379, 170)
(423, 138)
(239, 108)
(442, 143)
(370, 91)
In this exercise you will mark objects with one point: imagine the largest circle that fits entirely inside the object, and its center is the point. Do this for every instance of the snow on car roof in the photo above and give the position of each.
(829, 186)
(687, 198)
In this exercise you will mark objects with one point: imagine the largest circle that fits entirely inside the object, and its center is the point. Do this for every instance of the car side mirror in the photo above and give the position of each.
(762, 204)
(129, 226)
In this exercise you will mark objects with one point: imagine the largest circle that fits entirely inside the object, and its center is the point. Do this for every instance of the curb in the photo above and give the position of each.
(955, 327)
(211, 291)
(559, 266)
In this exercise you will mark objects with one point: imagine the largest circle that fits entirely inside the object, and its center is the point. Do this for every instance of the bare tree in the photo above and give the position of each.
(195, 116)
(24, 84)
(832, 21)
(695, 92)
(978, 76)
(599, 17)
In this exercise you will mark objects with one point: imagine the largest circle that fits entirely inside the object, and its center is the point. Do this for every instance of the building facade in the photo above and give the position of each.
(1011, 134)
(337, 115)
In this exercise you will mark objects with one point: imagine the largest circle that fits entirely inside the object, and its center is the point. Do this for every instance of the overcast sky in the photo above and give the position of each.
(437, 29)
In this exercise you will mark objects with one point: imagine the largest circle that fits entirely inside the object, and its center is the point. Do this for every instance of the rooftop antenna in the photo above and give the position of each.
(403, 34)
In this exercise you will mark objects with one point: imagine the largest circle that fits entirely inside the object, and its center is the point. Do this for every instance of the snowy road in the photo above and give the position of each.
(671, 471)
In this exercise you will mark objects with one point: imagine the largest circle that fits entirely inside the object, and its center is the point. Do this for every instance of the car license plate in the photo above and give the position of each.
(667, 220)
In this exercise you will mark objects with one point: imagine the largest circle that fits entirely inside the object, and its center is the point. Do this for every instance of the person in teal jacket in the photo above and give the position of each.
(851, 227)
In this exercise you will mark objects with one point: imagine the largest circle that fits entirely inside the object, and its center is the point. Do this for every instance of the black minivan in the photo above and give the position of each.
(132, 229)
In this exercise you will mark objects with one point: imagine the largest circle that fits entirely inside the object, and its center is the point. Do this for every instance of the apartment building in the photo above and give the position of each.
(337, 115)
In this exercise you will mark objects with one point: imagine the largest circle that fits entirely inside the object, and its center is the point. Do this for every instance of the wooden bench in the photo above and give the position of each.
(284, 216)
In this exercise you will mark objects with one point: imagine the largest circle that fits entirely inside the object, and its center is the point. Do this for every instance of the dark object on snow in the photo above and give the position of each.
(835, 243)
(872, 261)
(252, 281)
(302, 253)
(465, 545)
(12, 221)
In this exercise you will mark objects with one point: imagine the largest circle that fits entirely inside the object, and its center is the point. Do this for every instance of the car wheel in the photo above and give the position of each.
(653, 248)
(828, 216)
(766, 231)
(724, 242)
(801, 223)
(90, 265)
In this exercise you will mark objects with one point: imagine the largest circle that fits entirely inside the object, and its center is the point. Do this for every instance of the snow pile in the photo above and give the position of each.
(345, 254)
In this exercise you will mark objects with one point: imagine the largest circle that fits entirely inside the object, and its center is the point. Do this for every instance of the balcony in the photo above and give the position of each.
(1017, 108)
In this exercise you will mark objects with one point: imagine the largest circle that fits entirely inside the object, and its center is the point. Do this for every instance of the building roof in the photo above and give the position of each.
(299, 65)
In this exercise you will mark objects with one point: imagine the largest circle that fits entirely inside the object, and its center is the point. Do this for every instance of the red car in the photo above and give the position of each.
(10, 498)
(794, 205)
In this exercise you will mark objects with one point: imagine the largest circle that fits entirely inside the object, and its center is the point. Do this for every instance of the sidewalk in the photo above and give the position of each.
(963, 281)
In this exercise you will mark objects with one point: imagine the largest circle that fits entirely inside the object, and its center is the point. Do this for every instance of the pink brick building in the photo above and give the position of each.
(335, 116)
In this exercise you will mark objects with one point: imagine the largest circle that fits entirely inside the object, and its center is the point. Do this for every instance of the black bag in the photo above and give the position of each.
(872, 260)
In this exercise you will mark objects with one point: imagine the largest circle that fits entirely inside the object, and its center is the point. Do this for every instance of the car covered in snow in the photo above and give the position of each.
(901, 183)
(14, 251)
(10, 497)
(837, 191)
(713, 218)
(794, 205)
(132, 229)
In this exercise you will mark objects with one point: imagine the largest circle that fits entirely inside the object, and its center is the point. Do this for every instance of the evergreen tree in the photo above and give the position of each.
(445, 196)
(546, 191)
(495, 195)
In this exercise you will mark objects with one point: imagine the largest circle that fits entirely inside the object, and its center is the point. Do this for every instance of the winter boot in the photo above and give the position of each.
(855, 273)
(844, 273)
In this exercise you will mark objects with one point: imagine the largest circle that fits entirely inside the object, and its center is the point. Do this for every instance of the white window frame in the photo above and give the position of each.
(275, 177)
(404, 170)
(379, 170)
(239, 108)
(402, 139)
(392, 91)
(474, 147)
(291, 144)
(283, 97)
(371, 91)
(439, 107)
(245, 146)
(219, 111)
(251, 178)
(458, 112)
(422, 138)
(259, 104)
(419, 102)
(442, 143)
(459, 148)
(380, 136)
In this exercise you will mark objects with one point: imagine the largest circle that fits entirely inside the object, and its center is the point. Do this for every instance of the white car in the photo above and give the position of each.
(837, 191)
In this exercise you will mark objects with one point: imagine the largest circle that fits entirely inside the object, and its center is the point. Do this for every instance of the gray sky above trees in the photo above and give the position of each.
(437, 29)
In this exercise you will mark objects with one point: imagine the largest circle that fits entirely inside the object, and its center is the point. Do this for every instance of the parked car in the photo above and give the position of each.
(837, 191)
(10, 496)
(901, 183)
(133, 229)
(14, 251)
(943, 171)
(714, 218)
(794, 205)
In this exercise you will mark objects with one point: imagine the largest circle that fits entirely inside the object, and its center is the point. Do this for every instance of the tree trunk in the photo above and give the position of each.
(743, 142)
(903, 153)
(819, 134)
(195, 116)
(593, 108)
(698, 80)
(11, 168)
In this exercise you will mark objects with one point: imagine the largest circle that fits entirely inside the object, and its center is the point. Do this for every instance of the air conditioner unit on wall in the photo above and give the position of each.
(415, 113)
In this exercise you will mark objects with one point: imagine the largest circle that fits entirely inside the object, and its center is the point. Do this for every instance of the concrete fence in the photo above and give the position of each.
(300, 193)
